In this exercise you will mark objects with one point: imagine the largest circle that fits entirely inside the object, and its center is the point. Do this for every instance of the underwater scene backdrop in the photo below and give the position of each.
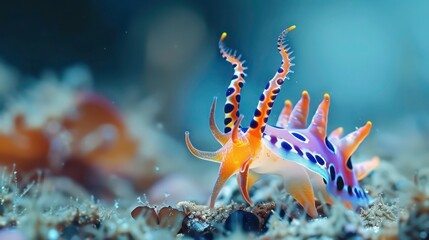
(96, 97)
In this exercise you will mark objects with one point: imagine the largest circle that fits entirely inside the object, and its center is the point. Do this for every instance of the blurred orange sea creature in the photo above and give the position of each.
(92, 135)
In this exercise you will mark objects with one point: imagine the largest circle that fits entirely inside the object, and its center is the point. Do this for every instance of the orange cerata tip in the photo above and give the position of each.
(326, 96)
(291, 28)
(369, 123)
(223, 36)
(288, 102)
(305, 93)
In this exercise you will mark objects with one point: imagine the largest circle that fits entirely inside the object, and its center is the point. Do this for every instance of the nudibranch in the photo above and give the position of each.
(308, 160)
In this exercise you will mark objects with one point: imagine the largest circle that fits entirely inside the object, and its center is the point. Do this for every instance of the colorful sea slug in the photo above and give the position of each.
(310, 162)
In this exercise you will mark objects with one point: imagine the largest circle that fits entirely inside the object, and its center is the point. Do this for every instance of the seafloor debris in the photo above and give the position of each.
(201, 221)
(379, 213)
(341, 224)
(57, 207)
(47, 210)
(416, 225)
(411, 222)
(228, 219)
(167, 218)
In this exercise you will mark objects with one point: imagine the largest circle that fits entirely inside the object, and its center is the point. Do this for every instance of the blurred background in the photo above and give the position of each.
(371, 56)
